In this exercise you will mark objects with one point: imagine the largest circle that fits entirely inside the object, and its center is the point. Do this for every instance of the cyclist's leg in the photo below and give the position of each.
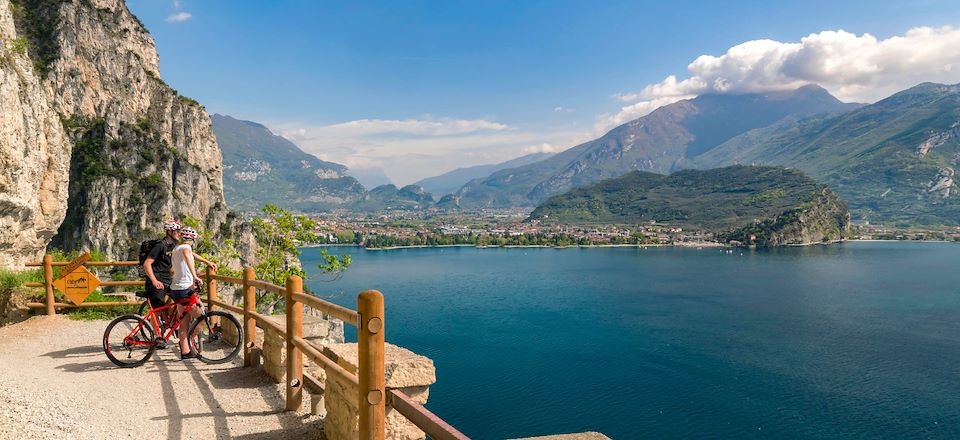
(178, 295)
(155, 296)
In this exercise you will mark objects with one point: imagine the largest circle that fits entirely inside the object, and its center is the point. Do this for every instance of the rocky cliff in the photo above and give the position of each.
(100, 149)
(34, 153)
(822, 220)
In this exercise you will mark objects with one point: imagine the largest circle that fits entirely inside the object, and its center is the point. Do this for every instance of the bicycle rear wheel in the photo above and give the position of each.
(129, 341)
(216, 337)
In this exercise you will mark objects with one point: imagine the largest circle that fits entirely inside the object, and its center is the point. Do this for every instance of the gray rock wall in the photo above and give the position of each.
(34, 154)
(97, 149)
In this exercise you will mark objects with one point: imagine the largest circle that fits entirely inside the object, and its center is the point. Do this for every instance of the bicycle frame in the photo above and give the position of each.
(153, 315)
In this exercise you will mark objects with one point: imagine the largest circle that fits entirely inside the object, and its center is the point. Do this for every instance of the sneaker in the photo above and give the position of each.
(190, 355)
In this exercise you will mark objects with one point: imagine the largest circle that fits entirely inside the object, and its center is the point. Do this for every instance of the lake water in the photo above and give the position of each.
(858, 340)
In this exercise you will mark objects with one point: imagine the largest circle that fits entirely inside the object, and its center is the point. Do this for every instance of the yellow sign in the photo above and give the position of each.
(66, 270)
(77, 285)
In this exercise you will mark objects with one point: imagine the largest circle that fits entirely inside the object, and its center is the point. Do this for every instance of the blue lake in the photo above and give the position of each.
(858, 340)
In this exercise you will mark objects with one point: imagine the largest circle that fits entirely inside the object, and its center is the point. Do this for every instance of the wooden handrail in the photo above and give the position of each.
(227, 279)
(88, 263)
(427, 421)
(342, 313)
(229, 307)
(36, 305)
(263, 285)
(267, 322)
(313, 353)
(122, 283)
(112, 263)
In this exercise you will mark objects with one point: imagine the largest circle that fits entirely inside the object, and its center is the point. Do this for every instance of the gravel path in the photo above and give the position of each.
(56, 382)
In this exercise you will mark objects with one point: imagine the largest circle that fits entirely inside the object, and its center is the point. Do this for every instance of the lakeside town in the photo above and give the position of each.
(509, 227)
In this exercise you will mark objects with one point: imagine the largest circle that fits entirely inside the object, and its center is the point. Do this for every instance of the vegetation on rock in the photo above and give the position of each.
(775, 205)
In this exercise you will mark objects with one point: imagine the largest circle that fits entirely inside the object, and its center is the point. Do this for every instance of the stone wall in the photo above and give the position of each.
(404, 370)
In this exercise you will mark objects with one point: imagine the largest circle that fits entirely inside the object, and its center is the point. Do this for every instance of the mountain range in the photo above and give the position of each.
(662, 142)
(260, 167)
(451, 181)
(893, 161)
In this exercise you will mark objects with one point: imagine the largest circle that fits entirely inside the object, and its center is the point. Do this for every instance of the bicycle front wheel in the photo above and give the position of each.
(129, 341)
(216, 337)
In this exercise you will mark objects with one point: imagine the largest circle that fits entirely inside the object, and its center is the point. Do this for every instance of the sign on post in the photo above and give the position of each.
(77, 285)
(77, 262)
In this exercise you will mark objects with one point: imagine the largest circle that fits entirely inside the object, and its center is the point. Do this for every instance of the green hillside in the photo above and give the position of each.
(893, 161)
(778, 205)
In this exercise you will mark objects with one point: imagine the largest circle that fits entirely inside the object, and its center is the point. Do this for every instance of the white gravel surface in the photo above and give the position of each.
(56, 382)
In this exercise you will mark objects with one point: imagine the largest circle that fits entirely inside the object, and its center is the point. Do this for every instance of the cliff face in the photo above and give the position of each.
(120, 149)
(34, 153)
(823, 220)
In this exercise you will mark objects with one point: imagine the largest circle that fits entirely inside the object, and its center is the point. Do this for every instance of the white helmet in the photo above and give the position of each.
(188, 233)
(171, 225)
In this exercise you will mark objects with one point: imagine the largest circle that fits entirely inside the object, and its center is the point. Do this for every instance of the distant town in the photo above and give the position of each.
(507, 227)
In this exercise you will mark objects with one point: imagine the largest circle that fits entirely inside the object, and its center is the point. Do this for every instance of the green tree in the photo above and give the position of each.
(346, 236)
(279, 232)
(217, 252)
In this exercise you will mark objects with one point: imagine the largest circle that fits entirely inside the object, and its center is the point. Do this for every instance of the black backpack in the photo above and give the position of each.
(145, 247)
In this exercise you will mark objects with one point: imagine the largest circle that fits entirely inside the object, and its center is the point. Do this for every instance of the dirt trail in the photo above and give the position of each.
(55, 382)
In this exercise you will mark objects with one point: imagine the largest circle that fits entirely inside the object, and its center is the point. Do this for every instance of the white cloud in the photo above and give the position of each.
(853, 68)
(443, 127)
(179, 17)
(543, 148)
(561, 109)
(409, 150)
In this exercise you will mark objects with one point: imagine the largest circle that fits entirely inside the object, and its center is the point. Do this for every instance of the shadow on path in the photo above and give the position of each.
(216, 411)
(81, 351)
(174, 415)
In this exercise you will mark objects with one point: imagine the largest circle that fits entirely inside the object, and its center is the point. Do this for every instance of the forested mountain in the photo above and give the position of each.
(662, 142)
(776, 205)
(261, 167)
(892, 161)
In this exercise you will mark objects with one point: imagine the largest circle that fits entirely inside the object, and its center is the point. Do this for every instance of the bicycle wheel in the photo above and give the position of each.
(216, 337)
(129, 341)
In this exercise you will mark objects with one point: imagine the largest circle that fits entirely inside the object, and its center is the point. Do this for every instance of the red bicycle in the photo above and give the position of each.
(130, 340)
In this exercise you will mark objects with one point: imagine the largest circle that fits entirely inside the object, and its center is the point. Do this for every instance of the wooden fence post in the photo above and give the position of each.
(372, 389)
(294, 356)
(249, 322)
(211, 287)
(48, 283)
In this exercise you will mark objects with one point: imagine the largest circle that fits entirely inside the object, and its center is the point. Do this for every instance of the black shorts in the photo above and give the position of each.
(157, 297)
(177, 295)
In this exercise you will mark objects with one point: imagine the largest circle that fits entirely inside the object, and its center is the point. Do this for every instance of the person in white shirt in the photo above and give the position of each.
(185, 281)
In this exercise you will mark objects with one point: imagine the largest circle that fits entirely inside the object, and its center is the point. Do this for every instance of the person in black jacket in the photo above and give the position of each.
(158, 264)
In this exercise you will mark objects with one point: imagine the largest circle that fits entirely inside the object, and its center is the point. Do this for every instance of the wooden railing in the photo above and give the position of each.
(372, 395)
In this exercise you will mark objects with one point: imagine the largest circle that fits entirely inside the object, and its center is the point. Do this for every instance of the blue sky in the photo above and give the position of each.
(418, 88)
